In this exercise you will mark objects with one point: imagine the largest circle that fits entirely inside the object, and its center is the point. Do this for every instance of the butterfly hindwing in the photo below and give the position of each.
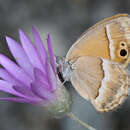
(102, 82)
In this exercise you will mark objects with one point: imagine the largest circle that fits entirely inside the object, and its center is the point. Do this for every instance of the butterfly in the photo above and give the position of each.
(97, 63)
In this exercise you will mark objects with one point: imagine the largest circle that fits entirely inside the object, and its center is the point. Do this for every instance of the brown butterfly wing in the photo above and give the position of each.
(102, 82)
(103, 39)
(87, 72)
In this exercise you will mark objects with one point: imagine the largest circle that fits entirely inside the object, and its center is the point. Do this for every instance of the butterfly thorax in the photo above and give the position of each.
(64, 69)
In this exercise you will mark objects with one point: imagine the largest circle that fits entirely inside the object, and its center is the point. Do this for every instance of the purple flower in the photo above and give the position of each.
(33, 78)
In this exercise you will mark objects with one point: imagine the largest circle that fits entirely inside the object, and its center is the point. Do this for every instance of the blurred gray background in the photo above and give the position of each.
(65, 20)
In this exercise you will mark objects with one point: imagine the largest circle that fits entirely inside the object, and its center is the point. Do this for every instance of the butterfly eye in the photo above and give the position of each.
(123, 52)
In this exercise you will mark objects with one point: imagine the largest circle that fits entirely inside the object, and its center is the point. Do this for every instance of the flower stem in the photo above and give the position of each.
(73, 117)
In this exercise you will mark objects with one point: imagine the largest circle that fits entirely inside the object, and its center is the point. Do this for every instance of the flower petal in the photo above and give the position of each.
(39, 45)
(27, 92)
(15, 70)
(41, 77)
(8, 77)
(40, 90)
(8, 88)
(30, 50)
(51, 76)
(20, 56)
(51, 54)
